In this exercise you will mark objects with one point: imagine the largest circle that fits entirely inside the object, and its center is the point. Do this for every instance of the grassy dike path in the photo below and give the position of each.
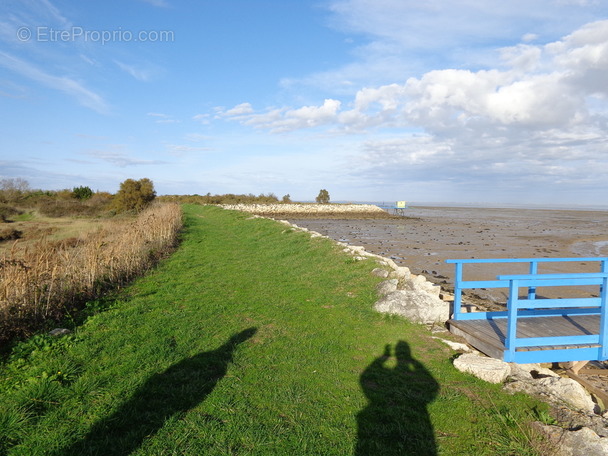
(252, 339)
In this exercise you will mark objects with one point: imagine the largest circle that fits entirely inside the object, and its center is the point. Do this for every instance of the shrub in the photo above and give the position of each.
(6, 212)
(82, 193)
(9, 234)
(134, 195)
(64, 208)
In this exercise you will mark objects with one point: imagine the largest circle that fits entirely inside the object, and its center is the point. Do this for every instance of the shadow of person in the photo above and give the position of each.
(396, 421)
(176, 390)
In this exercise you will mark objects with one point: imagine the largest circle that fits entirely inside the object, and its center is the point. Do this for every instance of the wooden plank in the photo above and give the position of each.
(574, 366)
(483, 345)
(602, 396)
(488, 335)
(588, 371)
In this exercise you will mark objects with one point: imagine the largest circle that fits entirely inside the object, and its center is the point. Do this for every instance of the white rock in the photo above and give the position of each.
(388, 286)
(583, 442)
(456, 345)
(419, 282)
(379, 272)
(402, 272)
(488, 369)
(416, 306)
(569, 391)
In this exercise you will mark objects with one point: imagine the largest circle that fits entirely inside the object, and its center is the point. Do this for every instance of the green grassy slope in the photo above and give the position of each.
(252, 339)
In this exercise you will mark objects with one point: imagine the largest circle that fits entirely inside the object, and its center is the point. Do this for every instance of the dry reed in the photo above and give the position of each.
(47, 280)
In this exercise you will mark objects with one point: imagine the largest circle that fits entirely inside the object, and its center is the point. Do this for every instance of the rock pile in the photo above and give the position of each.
(304, 209)
(583, 431)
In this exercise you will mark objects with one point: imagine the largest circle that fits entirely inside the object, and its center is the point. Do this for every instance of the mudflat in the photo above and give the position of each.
(427, 236)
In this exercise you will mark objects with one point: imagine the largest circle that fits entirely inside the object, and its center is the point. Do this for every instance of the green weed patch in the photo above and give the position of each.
(252, 339)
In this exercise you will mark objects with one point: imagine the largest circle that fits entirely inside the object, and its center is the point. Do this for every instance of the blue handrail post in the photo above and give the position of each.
(604, 318)
(512, 308)
(604, 264)
(533, 270)
(457, 291)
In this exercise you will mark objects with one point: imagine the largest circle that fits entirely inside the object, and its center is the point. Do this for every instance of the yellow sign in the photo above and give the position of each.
(400, 204)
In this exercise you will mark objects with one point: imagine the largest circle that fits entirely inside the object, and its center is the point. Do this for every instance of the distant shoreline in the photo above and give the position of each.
(313, 210)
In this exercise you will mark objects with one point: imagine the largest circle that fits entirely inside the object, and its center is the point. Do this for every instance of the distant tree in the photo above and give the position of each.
(323, 196)
(134, 195)
(12, 189)
(286, 198)
(82, 193)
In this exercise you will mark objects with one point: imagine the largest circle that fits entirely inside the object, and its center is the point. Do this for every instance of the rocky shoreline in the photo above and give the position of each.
(312, 210)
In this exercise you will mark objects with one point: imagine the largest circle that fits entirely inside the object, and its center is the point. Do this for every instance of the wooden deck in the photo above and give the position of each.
(488, 336)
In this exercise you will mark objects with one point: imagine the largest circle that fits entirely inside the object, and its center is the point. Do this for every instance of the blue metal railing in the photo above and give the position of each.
(460, 284)
(551, 307)
(594, 344)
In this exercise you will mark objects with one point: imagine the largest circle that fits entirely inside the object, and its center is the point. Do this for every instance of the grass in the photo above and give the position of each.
(44, 281)
(252, 339)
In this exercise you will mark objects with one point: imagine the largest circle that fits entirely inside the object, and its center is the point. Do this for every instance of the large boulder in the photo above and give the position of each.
(488, 369)
(416, 306)
(388, 286)
(419, 282)
(557, 390)
(583, 442)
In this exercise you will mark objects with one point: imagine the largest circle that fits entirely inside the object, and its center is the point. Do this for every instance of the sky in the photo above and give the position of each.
(471, 101)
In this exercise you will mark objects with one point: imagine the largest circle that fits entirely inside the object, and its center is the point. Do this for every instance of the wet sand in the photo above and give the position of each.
(427, 236)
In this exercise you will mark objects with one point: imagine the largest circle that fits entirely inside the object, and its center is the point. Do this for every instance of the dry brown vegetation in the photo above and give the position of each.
(45, 279)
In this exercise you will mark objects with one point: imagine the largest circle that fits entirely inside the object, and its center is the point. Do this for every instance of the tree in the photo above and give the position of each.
(286, 198)
(82, 193)
(134, 195)
(12, 189)
(323, 196)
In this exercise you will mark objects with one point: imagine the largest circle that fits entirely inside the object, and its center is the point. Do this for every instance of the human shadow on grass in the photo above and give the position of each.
(396, 421)
(176, 390)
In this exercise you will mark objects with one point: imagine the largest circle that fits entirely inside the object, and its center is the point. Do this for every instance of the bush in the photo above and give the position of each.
(10, 234)
(62, 208)
(6, 212)
(82, 193)
(134, 195)
(228, 198)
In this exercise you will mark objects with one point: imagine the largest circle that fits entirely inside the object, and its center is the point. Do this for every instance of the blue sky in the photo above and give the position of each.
(374, 100)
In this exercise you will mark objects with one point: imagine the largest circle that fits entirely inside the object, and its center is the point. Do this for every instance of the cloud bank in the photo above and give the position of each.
(541, 115)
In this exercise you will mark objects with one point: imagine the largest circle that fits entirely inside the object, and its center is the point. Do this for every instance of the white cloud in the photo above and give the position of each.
(204, 119)
(529, 37)
(539, 87)
(396, 39)
(539, 116)
(162, 118)
(64, 84)
(121, 159)
(284, 120)
(138, 72)
(238, 110)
